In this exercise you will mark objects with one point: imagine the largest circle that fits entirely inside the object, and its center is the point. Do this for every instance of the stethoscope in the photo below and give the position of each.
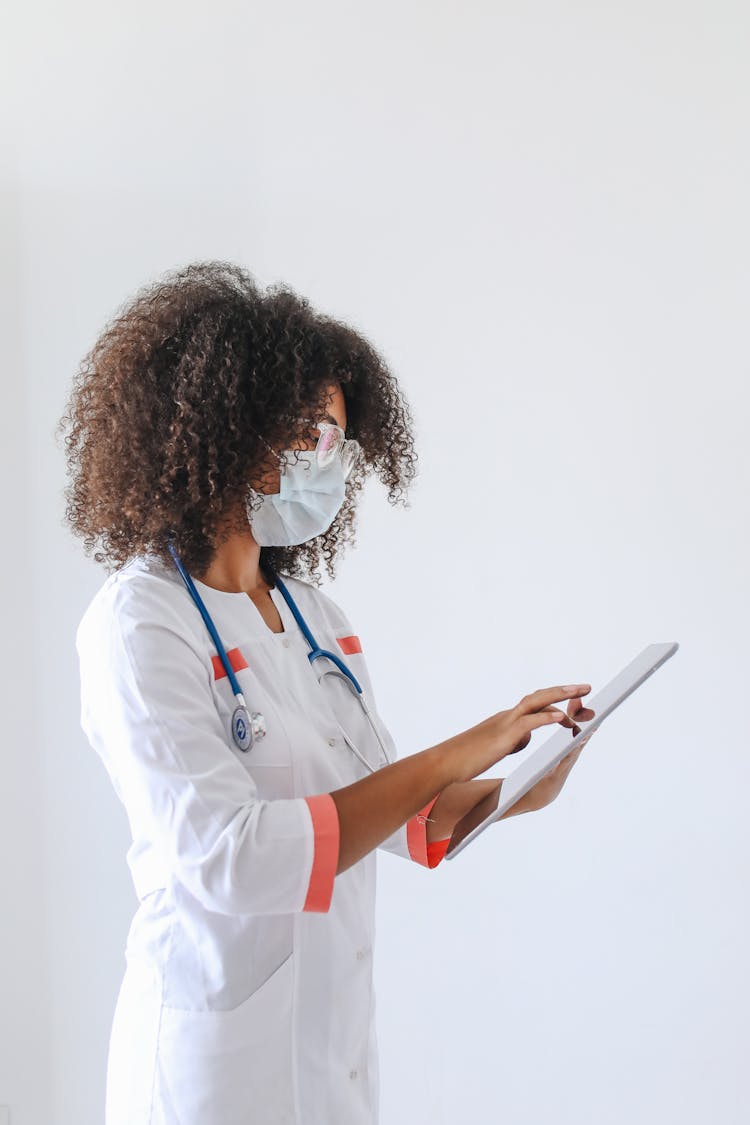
(247, 727)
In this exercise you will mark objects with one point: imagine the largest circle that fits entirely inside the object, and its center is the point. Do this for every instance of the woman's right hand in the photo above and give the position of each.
(476, 749)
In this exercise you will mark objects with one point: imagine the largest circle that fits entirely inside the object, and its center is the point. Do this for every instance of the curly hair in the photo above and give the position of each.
(164, 424)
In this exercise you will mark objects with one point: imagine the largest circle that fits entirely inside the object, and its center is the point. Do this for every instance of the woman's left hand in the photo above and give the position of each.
(547, 788)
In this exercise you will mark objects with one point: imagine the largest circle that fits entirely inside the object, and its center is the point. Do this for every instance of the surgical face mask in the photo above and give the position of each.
(306, 506)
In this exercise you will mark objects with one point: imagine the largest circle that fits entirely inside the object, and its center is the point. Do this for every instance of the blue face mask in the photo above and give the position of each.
(306, 506)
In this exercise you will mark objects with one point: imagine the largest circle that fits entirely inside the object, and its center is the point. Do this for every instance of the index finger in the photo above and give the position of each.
(537, 700)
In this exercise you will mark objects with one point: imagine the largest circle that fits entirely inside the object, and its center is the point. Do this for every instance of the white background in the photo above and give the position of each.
(539, 213)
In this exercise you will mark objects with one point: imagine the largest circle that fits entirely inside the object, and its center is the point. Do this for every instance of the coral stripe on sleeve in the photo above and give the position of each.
(326, 829)
(436, 851)
(416, 833)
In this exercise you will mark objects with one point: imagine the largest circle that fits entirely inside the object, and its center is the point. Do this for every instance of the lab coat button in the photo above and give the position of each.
(360, 954)
(285, 642)
(352, 1074)
(331, 741)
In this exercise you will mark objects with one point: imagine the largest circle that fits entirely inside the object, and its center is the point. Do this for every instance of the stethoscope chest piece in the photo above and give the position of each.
(246, 728)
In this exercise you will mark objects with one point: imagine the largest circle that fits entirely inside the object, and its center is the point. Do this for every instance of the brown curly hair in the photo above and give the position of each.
(165, 418)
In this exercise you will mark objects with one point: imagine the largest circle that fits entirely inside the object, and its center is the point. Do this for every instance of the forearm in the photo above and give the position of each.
(454, 802)
(373, 808)
(458, 799)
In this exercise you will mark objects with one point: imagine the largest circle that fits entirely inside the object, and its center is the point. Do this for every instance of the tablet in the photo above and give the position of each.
(547, 756)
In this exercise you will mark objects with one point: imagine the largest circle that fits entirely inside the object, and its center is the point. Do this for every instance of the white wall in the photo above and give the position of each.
(539, 212)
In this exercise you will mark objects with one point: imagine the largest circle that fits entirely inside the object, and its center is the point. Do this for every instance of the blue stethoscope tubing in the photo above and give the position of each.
(246, 727)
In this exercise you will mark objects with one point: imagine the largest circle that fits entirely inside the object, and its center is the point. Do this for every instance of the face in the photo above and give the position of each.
(334, 410)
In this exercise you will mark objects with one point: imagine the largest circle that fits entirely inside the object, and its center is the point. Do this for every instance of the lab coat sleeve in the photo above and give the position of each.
(148, 710)
(410, 840)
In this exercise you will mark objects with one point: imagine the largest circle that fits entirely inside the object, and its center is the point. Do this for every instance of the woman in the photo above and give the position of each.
(218, 436)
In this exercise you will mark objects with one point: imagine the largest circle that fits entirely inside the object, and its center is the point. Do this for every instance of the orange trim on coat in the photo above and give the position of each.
(436, 851)
(416, 833)
(236, 662)
(325, 818)
(350, 644)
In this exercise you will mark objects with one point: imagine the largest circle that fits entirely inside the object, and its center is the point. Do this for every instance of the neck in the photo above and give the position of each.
(235, 567)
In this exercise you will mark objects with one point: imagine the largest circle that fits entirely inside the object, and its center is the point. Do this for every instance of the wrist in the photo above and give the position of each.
(522, 805)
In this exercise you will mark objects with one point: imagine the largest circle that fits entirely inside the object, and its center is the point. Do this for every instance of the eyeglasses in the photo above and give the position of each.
(331, 443)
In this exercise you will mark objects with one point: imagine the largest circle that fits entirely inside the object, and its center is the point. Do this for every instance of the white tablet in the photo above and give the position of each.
(547, 756)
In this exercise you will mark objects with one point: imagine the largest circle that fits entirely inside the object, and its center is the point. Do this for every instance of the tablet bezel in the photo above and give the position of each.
(545, 757)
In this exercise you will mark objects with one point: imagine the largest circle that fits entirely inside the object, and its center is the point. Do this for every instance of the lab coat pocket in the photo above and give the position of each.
(270, 749)
(231, 1066)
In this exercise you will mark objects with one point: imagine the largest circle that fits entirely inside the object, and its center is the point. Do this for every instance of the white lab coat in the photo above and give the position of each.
(247, 997)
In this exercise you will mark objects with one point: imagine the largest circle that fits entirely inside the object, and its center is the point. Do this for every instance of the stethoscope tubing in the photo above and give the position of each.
(315, 647)
(210, 626)
(315, 652)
